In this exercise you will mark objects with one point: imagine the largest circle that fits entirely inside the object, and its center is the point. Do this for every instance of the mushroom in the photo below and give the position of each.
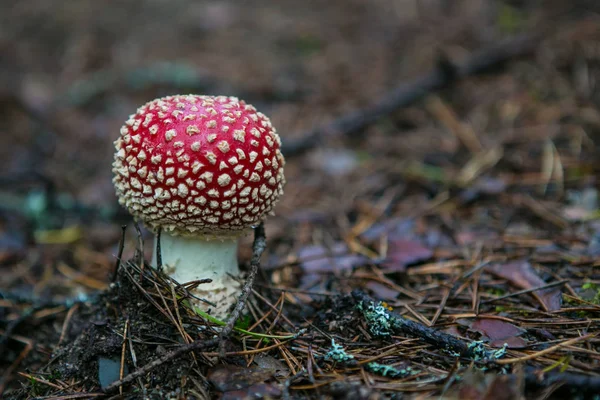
(203, 170)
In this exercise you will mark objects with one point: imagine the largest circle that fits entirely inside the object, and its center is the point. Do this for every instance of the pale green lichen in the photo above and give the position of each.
(389, 371)
(496, 354)
(479, 351)
(337, 353)
(382, 324)
(378, 318)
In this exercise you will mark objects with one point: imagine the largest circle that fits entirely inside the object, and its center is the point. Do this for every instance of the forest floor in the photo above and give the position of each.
(439, 234)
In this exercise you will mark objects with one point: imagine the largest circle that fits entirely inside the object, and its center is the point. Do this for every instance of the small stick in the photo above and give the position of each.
(65, 327)
(159, 265)
(258, 247)
(289, 381)
(119, 254)
(123, 348)
(140, 249)
(197, 345)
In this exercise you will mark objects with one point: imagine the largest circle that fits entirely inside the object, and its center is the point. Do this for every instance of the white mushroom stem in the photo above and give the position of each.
(189, 259)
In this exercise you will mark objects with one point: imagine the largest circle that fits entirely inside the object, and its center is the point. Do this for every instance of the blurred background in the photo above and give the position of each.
(72, 71)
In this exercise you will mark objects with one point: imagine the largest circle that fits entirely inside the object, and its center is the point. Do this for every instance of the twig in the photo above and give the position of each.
(398, 324)
(289, 381)
(65, 327)
(123, 348)
(120, 253)
(140, 249)
(197, 345)
(159, 265)
(40, 380)
(406, 94)
(258, 247)
(134, 362)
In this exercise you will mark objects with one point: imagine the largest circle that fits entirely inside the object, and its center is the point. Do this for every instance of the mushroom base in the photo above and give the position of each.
(224, 299)
(191, 259)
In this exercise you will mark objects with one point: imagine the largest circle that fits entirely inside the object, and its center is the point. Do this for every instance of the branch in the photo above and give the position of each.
(384, 322)
(445, 74)
(197, 345)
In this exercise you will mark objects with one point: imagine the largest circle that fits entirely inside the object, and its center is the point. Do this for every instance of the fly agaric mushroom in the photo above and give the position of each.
(202, 170)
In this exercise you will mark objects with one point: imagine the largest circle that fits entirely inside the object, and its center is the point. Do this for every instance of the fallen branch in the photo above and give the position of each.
(445, 74)
(383, 322)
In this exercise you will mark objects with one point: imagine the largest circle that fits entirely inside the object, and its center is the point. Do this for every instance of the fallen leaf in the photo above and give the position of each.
(521, 274)
(453, 330)
(402, 252)
(496, 332)
(495, 329)
(514, 342)
(319, 259)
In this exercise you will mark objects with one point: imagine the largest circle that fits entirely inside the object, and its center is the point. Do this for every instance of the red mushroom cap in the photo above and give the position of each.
(198, 165)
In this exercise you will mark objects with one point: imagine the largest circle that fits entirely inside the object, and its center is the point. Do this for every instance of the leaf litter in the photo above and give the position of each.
(438, 239)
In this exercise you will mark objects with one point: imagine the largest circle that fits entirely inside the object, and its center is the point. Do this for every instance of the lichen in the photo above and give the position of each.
(389, 371)
(337, 353)
(377, 317)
